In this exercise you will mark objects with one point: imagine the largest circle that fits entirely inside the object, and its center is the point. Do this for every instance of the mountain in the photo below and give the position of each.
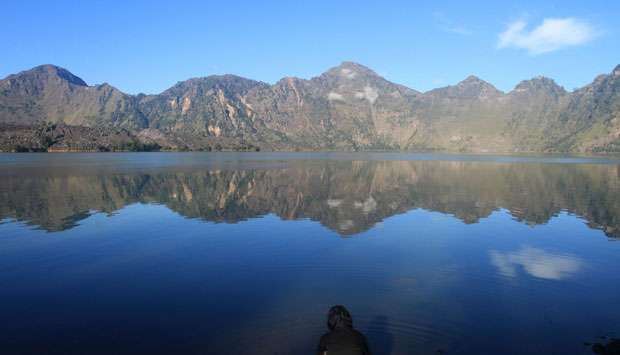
(349, 107)
(51, 94)
(593, 115)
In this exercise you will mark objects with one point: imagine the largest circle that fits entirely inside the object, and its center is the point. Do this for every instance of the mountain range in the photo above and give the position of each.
(349, 107)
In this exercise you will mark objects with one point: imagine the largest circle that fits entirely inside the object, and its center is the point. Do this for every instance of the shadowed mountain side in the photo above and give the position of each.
(347, 197)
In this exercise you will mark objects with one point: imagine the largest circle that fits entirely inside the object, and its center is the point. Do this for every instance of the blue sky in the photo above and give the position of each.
(147, 46)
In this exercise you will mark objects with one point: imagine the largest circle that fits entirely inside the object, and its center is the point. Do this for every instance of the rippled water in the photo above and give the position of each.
(244, 253)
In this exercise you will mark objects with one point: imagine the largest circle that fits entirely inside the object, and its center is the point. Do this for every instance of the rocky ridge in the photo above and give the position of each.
(349, 107)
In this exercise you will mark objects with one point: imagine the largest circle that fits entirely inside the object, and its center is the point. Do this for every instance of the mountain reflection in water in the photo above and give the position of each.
(348, 197)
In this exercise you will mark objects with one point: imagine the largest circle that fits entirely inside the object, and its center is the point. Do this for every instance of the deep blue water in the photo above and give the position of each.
(244, 253)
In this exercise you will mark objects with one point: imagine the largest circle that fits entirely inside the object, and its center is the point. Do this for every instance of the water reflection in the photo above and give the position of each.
(155, 278)
(346, 196)
(536, 262)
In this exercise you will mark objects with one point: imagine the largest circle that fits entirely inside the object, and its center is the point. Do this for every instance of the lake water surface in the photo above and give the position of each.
(226, 253)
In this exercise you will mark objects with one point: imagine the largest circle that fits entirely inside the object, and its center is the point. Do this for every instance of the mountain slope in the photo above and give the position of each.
(51, 94)
(347, 107)
(593, 116)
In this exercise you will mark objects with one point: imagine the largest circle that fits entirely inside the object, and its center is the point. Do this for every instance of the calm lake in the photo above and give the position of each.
(243, 253)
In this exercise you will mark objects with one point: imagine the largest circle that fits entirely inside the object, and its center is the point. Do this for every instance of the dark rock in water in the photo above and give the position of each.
(611, 348)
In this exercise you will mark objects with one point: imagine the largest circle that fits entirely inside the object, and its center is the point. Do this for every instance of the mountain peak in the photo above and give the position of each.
(616, 71)
(352, 65)
(43, 78)
(53, 70)
(539, 84)
(472, 79)
(47, 67)
(227, 82)
(351, 70)
(471, 87)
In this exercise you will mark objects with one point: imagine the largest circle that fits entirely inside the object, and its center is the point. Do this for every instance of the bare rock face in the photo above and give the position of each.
(204, 105)
(349, 107)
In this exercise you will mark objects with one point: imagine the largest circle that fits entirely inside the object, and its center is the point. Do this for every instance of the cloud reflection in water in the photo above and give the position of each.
(536, 262)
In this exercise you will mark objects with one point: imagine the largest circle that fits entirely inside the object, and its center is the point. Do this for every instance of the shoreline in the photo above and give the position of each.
(612, 157)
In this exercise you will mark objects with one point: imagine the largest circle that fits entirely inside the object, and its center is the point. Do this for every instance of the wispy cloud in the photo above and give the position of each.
(536, 262)
(447, 25)
(552, 34)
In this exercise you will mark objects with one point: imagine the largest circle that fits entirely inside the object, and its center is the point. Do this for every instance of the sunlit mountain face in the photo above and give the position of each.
(346, 196)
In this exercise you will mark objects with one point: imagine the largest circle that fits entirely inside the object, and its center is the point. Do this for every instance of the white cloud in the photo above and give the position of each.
(333, 203)
(348, 73)
(346, 224)
(369, 93)
(552, 34)
(535, 262)
(334, 96)
(367, 206)
(447, 25)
